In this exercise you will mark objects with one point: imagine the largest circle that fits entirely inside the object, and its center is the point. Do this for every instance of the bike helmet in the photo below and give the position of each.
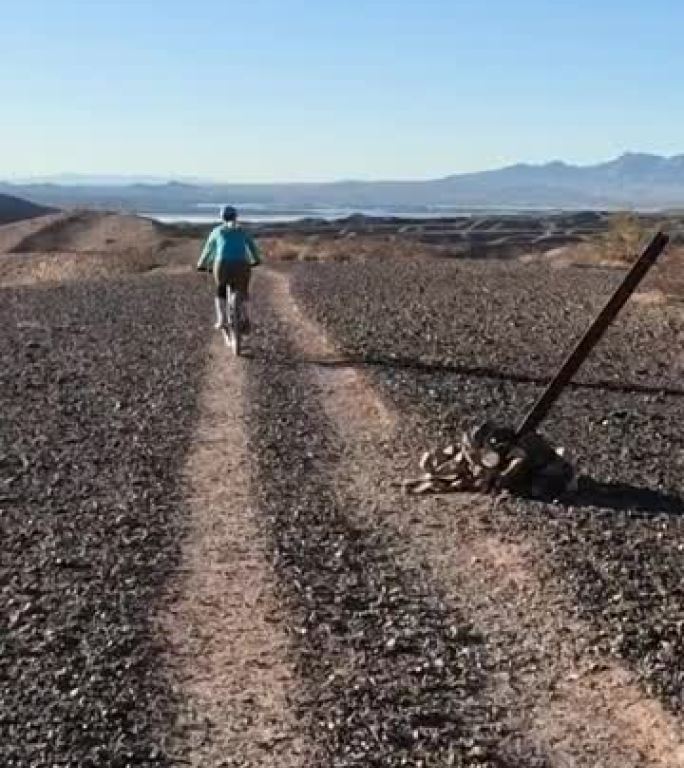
(228, 213)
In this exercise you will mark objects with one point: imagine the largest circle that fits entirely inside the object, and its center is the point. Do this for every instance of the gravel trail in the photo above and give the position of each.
(579, 706)
(393, 676)
(452, 344)
(222, 620)
(203, 561)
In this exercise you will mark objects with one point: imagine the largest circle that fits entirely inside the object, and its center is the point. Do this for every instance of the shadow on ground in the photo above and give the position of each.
(618, 497)
(623, 497)
(478, 372)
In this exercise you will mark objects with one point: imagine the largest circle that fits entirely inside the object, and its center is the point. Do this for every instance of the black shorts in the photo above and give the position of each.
(237, 276)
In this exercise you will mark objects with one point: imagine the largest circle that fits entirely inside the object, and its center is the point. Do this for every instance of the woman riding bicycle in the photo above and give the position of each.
(231, 253)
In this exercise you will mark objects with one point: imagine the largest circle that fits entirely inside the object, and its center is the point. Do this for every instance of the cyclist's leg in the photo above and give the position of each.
(221, 278)
(240, 283)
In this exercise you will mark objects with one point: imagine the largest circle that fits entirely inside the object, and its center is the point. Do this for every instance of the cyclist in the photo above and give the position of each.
(230, 253)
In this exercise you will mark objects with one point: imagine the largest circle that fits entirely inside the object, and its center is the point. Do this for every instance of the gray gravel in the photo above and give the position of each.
(97, 393)
(393, 676)
(97, 396)
(453, 344)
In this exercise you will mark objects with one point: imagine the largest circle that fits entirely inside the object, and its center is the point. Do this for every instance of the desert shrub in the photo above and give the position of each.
(624, 237)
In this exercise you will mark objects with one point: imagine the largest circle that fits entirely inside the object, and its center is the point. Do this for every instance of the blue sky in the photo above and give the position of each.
(299, 90)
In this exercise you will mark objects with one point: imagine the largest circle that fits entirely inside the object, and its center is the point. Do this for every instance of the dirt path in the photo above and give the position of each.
(581, 708)
(227, 649)
(318, 617)
(321, 618)
(390, 675)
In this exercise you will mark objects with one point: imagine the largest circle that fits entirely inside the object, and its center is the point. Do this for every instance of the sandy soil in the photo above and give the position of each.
(84, 232)
(223, 622)
(75, 246)
(12, 235)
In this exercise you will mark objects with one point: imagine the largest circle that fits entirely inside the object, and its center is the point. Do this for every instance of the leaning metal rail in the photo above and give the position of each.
(593, 335)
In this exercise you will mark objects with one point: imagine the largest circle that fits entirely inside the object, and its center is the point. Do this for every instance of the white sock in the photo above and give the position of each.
(220, 305)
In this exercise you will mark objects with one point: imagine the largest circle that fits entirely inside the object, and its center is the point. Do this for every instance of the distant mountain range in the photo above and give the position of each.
(633, 180)
(14, 209)
(100, 180)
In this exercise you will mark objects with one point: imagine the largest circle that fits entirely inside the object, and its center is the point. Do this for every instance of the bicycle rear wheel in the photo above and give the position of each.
(235, 302)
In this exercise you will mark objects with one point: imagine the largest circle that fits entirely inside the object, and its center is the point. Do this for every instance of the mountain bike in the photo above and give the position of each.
(232, 331)
(234, 326)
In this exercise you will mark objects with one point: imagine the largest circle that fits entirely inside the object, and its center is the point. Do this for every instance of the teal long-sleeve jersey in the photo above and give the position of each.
(230, 245)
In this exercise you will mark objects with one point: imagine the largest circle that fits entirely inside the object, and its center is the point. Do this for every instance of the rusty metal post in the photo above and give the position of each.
(574, 361)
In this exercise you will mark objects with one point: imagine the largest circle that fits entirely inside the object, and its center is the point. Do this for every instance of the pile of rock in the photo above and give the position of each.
(491, 458)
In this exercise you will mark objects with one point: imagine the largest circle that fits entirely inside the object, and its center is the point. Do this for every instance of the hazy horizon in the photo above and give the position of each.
(111, 179)
(267, 92)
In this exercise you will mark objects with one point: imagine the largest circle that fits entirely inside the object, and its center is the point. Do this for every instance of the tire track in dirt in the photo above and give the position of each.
(227, 650)
(393, 676)
(583, 709)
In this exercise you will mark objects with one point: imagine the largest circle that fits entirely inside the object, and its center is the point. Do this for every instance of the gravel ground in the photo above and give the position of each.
(454, 343)
(393, 677)
(97, 395)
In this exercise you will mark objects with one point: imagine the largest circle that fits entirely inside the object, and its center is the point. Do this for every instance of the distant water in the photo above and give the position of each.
(205, 218)
(258, 214)
(204, 213)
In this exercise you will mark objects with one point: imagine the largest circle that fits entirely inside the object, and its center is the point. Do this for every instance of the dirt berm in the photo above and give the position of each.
(81, 245)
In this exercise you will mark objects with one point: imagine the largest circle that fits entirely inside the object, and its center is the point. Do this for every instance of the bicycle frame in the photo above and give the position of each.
(233, 333)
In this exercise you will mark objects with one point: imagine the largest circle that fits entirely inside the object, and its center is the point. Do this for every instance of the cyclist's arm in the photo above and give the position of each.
(206, 260)
(254, 252)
